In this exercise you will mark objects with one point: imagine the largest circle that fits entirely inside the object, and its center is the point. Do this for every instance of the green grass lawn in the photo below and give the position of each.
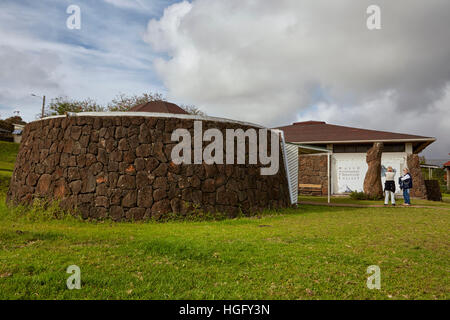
(313, 252)
(445, 203)
(8, 152)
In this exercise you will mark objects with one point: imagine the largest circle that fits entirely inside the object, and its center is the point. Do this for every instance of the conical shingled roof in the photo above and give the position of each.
(159, 106)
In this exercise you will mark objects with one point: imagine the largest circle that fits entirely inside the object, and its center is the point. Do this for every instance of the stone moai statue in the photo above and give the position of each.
(372, 181)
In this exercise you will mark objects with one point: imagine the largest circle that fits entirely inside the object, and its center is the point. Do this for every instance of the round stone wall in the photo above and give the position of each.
(120, 167)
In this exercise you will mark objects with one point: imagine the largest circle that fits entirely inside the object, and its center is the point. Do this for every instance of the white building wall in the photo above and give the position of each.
(349, 169)
(17, 138)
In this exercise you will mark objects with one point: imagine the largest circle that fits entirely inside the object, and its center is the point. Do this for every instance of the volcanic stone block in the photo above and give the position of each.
(209, 185)
(158, 151)
(88, 184)
(151, 164)
(81, 160)
(113, 166)
(161, 207)
(91, 159)
(144, 134)
(98, 213)
(197, 196)
(43, 185)
(433, 190)
(32, 179)
(176, 205)
(123, 145)
(86, 198)
(115, 196)
(75, 132)
(221, 180)
(73, 173)
(159, 194)
(226, 197)
(101, 157)
(145, 197)
(419, 189)
(75, 187)
(116, 155)
(161, 170)
(209, 198)
(113, 177)
(210, 170)
(139, 164)
(60, 190)
(129, 200)
(135, 214)
(195, 181)
(144, 150)
(126, 182)
(160, 183)
(101, 201)
(129, 156)
(116, 213)
(127, 168)
(174, 168)
(120, 132)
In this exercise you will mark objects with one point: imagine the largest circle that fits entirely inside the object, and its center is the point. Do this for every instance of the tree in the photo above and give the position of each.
(6, 126)
(62, 105)
(15, 120)
(191, 109)
(123, 102)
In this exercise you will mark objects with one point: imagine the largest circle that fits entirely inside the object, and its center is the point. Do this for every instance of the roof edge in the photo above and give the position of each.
(313, 123)
(360, 141)
(152, 115)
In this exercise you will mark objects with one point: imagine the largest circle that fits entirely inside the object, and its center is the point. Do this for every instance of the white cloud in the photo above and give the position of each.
(269, 61)
(104, 58)
(131, 4)
(382, 114)
(151, 6)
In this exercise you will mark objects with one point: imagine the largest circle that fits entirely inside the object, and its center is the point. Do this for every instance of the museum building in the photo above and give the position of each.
(346, 148)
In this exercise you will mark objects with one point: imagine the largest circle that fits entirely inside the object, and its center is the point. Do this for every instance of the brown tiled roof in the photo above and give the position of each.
(319, 131)
(447, 164)
(159, 106)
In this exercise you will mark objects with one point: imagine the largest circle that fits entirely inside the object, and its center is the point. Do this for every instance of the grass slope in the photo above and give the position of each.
(8, 153)
(445, 203)
(312, 252)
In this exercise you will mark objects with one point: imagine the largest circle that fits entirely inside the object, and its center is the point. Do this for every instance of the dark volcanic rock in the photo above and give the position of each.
(372, 180)
(120, 167)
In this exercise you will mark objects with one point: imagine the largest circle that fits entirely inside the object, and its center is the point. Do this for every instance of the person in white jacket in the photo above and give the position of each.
(389, 186)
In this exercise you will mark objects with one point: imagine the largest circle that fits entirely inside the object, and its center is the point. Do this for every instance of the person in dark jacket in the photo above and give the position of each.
(389, 187)
(405, 182)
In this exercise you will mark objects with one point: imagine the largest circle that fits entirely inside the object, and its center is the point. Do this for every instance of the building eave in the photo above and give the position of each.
(424, 142)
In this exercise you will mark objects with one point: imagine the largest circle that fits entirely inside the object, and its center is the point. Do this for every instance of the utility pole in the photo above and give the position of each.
(43, 106)
(43, 103)
(448, 177)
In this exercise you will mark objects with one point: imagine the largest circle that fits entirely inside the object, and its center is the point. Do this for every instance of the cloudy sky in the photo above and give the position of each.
(267, 62)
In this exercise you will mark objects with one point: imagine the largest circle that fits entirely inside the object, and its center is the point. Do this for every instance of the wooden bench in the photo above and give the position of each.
(310, 189)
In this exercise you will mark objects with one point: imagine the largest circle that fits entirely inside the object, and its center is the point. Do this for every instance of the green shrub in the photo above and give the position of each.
(4, 182)
(40, 210)
(355, 195)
